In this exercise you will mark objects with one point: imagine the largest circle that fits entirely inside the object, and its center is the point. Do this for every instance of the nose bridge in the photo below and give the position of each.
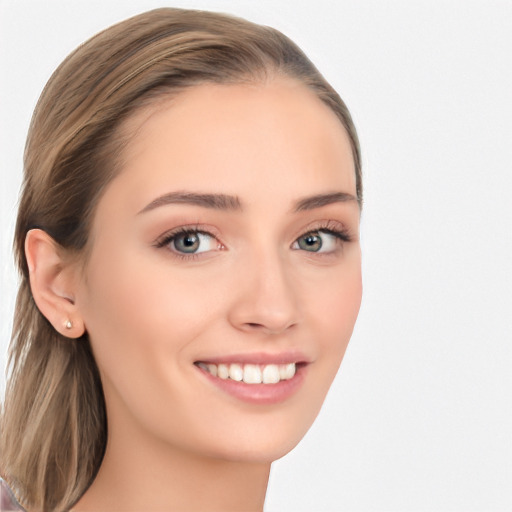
(267, 300)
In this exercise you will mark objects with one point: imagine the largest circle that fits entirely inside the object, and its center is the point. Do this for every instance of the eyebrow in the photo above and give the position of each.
(233, 203)
(319, 200)
(212, 201)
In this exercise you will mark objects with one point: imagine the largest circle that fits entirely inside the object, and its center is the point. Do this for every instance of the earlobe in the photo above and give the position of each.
(52, 282)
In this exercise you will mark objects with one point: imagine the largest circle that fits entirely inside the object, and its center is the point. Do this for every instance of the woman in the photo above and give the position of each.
(188, 242)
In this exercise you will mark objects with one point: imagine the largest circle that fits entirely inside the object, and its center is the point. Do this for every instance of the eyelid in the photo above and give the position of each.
(328, 226)
(166, 238)
(340, 237)
(185, 228)
(336, 229)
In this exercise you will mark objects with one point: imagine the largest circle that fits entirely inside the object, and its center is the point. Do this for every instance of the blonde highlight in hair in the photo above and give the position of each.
(53, 424)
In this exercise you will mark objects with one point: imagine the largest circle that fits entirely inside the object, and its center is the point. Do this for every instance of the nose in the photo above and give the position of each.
(265, 300)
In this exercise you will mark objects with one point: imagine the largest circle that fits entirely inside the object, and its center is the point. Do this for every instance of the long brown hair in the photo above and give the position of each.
(53, 425)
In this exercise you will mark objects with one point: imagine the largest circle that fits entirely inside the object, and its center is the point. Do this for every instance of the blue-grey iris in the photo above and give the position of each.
(188, 242)
(311, 242)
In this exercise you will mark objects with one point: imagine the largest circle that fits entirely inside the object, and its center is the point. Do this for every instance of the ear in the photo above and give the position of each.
(52, 281)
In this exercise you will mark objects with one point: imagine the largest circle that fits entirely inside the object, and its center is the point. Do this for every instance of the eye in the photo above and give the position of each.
(321, 241)
(190, 242)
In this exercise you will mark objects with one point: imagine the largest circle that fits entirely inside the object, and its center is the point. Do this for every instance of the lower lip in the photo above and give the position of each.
(259, 393)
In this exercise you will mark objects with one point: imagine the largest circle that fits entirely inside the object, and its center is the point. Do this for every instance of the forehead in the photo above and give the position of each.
(237, 139)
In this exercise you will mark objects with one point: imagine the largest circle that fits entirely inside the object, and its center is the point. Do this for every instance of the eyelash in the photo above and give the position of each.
(332, 228)
(329, 228)
(169, 237)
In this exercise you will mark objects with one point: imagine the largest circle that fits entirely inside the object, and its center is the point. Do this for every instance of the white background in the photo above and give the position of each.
(420, 416)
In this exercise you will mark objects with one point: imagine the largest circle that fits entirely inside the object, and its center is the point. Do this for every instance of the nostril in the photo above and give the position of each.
(267, 329)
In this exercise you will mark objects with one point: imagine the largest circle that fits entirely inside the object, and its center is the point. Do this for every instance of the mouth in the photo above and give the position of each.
(251, 373)
(255, 382)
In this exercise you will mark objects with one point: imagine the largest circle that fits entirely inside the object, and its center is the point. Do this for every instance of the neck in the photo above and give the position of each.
(141, 476)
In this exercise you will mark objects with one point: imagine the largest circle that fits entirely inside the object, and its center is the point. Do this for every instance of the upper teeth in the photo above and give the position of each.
(251, 373)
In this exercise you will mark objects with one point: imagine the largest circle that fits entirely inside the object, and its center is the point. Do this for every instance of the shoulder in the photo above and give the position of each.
(8, 502)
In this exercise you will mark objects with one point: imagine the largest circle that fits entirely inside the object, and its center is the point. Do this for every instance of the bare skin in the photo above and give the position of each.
(160, 478)
(268, 270)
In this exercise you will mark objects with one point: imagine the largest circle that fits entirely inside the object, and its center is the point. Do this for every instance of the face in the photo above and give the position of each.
(224, 276)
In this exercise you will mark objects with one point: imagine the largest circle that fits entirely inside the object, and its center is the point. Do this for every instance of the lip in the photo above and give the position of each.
(259, 358)
(262, 394)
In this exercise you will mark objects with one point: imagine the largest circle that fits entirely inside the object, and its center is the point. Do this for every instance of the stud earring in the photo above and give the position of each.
(68, 324)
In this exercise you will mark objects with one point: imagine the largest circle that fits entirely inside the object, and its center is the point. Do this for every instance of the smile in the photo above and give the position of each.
(251, 373)
(255, 382)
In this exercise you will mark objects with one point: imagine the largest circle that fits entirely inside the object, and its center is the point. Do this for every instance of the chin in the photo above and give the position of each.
(263, 441)
(257, 453)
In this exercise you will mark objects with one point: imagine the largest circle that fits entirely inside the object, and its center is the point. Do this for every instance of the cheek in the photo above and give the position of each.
(342, 309)
(144, 316)
(336, 310)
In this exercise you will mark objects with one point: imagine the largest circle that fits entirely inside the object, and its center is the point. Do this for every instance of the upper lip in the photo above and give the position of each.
(258, 358)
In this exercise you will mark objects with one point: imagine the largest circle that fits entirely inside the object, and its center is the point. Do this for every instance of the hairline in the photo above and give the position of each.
(150, 104)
